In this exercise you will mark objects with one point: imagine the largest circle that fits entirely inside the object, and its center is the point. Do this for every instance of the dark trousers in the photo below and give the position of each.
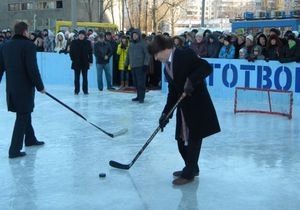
(23, 127)
(84, 80)
(190, 155)
(139, 81)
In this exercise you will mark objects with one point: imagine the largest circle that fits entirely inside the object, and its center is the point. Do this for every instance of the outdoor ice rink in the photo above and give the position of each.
(252, 164)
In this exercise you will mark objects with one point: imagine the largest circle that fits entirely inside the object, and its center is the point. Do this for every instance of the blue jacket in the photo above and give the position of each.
(227, 52)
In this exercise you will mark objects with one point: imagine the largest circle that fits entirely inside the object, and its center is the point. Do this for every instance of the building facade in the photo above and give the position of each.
(42, 14)
(218, 12)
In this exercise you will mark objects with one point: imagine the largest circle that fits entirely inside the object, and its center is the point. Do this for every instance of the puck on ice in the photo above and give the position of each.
(102, 175)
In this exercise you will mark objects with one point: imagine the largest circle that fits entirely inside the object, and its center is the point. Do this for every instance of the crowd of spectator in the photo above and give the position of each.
(276, 45)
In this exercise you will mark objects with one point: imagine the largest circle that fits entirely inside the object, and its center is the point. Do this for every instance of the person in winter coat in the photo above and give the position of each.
(196, 116)
(115, 58)
(239, 44)
(122, 52)
(39, 42)
(60, 43)
(227, 50)
(213, 47)
(103, 52)
(261, 40)
(274, 48)
(48, 40)
(18, 59)
(179, 41)
(291, 51)
(81, 54)
(138, 59)
(199, 45)
(256, 54)
(249, 44)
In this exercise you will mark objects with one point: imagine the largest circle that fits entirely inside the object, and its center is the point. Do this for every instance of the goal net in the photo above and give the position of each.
(277, 102)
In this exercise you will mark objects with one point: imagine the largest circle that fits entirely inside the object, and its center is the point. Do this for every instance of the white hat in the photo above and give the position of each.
(296, 33)
(250, 37)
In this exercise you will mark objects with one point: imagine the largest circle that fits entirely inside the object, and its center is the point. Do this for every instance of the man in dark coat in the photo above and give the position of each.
(103, 52)
(196, 116)
(81, 54)
(18, 59)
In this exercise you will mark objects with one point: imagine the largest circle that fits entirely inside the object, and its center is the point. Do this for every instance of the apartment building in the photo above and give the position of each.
(41, 14)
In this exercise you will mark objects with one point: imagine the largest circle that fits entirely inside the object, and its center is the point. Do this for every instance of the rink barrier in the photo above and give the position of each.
(228, 73)
(231, 73)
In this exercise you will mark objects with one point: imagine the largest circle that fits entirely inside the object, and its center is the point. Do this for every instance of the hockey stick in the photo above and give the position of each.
(112, 135)
(128, 166)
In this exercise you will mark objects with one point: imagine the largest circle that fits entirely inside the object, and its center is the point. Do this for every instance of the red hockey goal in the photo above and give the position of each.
(277, 102)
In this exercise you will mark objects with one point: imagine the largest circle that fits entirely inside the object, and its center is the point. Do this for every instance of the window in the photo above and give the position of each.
(59, 4)
(26, 6)
(14, 7)
(48, 5)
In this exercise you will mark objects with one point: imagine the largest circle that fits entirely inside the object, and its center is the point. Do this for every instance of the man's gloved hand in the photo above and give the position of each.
(188, 87)
(163, 121)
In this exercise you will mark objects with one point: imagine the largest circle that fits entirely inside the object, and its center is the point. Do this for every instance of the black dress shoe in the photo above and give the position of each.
(178, 173)
(36, 143)
(20, 154)
(182, 181)
(135, 99)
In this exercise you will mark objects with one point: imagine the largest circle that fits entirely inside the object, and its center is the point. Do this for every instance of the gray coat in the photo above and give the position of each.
(18, 59)
(137, 55)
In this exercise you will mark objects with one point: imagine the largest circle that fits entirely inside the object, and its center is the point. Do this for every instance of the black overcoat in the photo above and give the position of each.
(81, 54)
(18, 59)
(198, 109)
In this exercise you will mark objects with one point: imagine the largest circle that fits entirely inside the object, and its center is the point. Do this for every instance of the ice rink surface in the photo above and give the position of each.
(253, 164)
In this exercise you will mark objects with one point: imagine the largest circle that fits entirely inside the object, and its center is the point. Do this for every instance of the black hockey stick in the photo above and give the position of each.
(128, 166)
(119, 133)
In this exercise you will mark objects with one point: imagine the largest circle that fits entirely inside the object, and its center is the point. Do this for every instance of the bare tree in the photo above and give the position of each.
(112, 10)
(89, 5)
(175, 7)
(104, 5)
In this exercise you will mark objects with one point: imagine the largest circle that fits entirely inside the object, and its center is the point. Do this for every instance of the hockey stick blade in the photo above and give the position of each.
(121, 132)
(128, 166)
(119, 165)
(112, 135)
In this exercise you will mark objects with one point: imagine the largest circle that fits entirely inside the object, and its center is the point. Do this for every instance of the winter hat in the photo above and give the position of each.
(250, 37)
(291, 37)
(227, 38)
(275, 30)
(101, 35)
(108, 33)
(82, 32)
(296, 33)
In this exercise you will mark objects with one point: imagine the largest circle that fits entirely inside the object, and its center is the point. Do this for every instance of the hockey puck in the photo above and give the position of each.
(102, 175)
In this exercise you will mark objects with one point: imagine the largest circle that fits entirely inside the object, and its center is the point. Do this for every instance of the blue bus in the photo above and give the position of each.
(264, 25)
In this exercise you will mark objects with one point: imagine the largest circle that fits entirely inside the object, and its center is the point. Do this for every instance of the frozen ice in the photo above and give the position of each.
(253, 164)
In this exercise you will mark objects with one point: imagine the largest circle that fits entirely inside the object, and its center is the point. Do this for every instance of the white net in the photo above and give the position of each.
(263, 101)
